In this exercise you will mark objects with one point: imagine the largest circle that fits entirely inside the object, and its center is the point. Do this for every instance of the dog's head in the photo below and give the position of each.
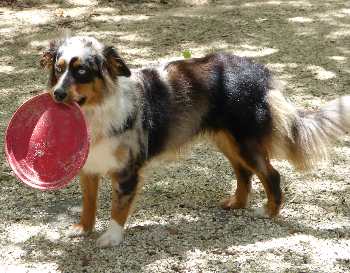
(82, 70)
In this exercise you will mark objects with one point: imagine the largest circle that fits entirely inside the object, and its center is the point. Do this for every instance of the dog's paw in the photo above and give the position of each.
(112, 237)
(232, 203)
(261, 212)
(264, 212)
(77, 230)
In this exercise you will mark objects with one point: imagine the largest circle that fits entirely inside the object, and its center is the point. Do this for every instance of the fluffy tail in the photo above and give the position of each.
(303, 137)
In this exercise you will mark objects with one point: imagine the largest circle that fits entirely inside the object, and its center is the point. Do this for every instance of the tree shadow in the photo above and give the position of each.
(175, 217)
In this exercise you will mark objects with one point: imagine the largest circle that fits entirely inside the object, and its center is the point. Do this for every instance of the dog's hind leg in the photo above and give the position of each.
(255, 157)
(239, 198)
(247, 158)
(270, 179)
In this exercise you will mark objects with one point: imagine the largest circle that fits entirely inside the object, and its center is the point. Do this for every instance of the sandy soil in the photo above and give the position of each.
(177, 225)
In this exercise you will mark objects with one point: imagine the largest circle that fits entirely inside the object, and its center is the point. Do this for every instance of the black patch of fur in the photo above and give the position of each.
(128, 178)
(157, 110)
(114, 63)
(52, 77)
(90, 71)
(128, 181)
(274, 180)
(234, 88)
(244, 174)
(91, 67)
(238, 98)
(97, 63)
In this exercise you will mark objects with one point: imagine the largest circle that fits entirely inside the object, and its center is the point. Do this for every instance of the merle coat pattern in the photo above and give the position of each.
(135, 116)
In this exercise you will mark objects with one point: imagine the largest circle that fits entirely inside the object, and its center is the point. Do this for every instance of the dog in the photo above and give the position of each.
(135, 116)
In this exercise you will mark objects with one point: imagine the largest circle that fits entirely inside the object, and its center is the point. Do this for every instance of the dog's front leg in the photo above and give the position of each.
(124, 190)
(89, 188)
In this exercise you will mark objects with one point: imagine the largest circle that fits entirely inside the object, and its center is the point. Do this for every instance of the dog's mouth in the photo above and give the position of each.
(81, 101)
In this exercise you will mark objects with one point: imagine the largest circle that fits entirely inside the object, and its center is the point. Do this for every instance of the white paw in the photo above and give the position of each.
(261, 212)
(112, 237)
(76, 231)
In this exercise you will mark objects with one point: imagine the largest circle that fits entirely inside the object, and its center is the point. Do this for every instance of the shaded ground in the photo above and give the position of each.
(177, 226)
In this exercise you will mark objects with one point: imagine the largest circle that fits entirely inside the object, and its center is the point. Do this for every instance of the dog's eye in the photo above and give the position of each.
(81, 71)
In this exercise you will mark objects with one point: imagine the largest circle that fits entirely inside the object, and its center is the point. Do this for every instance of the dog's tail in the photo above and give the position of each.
(303, 137)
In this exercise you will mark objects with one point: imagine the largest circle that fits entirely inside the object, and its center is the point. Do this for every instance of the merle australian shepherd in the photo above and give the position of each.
(135, 116)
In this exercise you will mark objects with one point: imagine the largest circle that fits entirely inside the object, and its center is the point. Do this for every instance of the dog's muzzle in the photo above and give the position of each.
(60, 94)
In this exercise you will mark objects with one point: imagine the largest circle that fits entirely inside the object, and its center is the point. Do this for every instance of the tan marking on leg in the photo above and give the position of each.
(226, 143)
(239, 199)
(89, 188)
(272, 207)
(269, 177)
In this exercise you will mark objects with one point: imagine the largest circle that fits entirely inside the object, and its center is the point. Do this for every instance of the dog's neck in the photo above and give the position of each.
(114, 111)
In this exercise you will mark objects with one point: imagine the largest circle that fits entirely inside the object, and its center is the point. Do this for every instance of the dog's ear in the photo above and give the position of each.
(48, 57)
(114, 63)
(48, 60)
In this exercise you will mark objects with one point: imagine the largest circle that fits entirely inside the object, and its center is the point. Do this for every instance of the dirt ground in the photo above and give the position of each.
(177, 225)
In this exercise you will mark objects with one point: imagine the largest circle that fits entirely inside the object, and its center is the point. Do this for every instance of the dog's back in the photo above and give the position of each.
(205, 95)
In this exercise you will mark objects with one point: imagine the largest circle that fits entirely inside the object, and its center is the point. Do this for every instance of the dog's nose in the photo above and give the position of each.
(60, 94)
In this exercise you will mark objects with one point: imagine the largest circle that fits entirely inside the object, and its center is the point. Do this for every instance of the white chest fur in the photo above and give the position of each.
(112, 113)
(102, 157)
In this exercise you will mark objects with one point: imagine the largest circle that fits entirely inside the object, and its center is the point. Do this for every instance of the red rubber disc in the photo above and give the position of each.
(47, 143)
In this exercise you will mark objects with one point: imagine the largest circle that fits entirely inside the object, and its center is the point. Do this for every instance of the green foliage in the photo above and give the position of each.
(186, 54)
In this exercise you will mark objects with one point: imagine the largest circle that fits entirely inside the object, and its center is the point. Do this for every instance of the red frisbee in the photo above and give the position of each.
(47, 143)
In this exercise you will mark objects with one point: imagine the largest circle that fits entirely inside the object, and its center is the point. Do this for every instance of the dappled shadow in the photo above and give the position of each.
(176, 217)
